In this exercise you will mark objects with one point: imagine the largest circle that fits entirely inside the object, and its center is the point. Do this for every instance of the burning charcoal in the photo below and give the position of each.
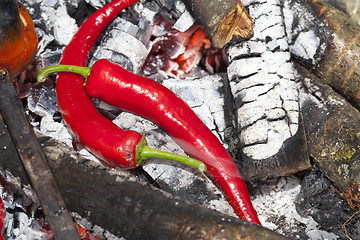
(262, 80)
(223, 20)
(340, 68)
(332, 127)
(178, 54)
(307, 35)
(318, 200)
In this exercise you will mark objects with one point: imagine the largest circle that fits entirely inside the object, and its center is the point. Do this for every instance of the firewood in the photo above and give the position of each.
(33, 160)
(223, 20)
(270, 137)
(118, 202)
(332, 128)
(340, 68)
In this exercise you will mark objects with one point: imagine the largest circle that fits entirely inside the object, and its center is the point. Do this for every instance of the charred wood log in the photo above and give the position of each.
(117, 202)
(307, 35)
(223, 20)
(332, 128)
(262, 79)
(340, 67)
(33, 159)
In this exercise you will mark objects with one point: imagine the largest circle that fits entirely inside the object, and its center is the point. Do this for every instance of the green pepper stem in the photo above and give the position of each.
(83, 71)
(147, 152)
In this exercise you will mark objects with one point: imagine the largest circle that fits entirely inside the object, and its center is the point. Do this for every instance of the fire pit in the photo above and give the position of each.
(256, 95)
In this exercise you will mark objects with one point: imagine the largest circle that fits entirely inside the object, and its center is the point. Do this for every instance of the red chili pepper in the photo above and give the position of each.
(79, 112)
(18, 39)
(143, 96)
(98, 134)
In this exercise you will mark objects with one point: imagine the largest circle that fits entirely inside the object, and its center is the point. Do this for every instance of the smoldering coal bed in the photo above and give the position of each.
(160, 40)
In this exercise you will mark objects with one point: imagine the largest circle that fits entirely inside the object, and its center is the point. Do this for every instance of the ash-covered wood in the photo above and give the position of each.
(332, 128)
(117, 202)
(33, 160)
(270, 134)
(307, 35)
(223, 20)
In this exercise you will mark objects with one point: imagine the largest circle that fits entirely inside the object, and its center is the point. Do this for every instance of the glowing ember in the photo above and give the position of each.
(176, 54)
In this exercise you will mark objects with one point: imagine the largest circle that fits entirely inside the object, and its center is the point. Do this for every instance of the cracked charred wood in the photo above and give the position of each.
(34, 162)
(308, 37)
(340, 67)
(263, 82)
(332, 128)
(223, 20)
(117, 202)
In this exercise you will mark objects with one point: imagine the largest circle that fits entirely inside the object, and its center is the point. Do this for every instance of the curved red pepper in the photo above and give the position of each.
(116, 86)
(172, 113)
(88, 126)
(143, 96)
(124, 148)
(18, 39)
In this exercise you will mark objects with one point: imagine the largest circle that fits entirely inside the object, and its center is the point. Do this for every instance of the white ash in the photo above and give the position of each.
(42, 101)
(306, 45)
(64, 27)
(123, 49)
(263, 83)
(307, 35)
(204, 96)
(311, 92)
(174, 177)
(21, 224)
(145, 12)
(97, 3)
(275, 203)
(56, 130)
(184, 22)
(125, 43)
